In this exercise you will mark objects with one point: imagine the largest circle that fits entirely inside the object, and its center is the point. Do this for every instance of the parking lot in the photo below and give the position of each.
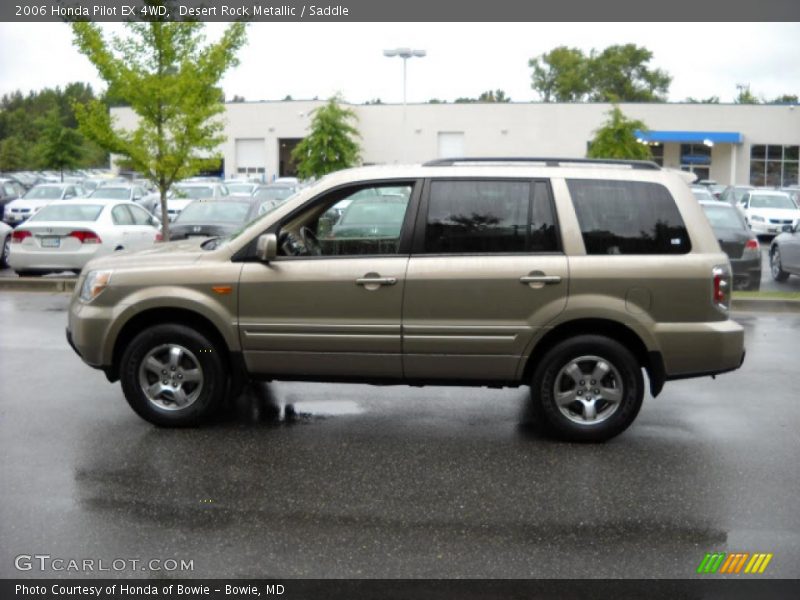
(307, 480)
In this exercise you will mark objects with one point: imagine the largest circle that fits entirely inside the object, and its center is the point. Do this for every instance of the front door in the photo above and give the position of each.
(486, 274)
(329, 306)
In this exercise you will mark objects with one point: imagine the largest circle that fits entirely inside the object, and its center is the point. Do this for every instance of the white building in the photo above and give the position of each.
(730, 143)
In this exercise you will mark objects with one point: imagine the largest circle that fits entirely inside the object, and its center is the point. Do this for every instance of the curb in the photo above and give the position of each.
(773, 305)
(38, 284)
(62, 284)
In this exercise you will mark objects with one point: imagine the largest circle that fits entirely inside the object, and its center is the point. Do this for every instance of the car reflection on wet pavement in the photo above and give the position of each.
(323, 480)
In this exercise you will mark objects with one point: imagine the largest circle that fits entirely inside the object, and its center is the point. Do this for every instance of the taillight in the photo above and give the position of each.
(751, 249)
(159, 237)
(18, 235)
(86, 237)
(721, 297)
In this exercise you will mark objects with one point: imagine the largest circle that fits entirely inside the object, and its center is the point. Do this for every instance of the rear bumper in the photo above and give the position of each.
(699, 349)
(746, 273)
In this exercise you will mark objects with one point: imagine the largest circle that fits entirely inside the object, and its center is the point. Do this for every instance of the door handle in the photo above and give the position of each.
(540, 279)
(537, 279)
(373, 281)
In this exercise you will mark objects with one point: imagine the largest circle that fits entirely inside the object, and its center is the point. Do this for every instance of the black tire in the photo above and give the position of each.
(202, 352)
(775, 265)
(623, 379)
(28, 273)
(6, 248)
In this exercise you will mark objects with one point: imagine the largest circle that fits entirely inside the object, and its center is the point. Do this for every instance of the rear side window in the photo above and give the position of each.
(489, 216)
(628, 217)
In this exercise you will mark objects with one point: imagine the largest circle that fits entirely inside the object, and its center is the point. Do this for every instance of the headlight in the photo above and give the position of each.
(757, 219)
(94, 284)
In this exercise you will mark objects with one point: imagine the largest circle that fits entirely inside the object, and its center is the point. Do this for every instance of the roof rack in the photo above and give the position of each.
(548, 161)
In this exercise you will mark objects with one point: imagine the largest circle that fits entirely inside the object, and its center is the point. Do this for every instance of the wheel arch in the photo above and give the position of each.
(650, 360)
(172, 315)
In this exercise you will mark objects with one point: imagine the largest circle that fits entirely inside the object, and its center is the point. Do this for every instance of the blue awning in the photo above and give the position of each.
(691, 137)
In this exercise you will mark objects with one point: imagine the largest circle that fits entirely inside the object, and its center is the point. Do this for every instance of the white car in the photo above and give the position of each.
(184, 193)
(241, 188)
(767, 211)
(64, 236)
(36, 198)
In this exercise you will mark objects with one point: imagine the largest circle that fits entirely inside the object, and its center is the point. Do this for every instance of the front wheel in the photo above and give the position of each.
(173, 375)
(775, 266)
(589, 388)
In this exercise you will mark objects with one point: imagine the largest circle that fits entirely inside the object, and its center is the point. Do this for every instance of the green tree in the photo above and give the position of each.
(331, 144)
(59, 147)
(169, 78)
(494, 96)
(709, 100)
(561, 75)
(617, 138)
(745, 96)
(620, 74)
(14, 154)
(785, 99)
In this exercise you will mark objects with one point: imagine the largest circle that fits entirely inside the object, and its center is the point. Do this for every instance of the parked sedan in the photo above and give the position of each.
(5, 238)
(131, 193)
(213, 218)
(273, 195)
(36, 198)
(767, 211)
(733, 194)
(738, 242)
(63, 236)
(241, 188)
(184, 193)
(784, 253)
(702, 192)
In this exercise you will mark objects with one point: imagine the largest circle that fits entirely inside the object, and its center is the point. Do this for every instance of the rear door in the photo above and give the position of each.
(486, 273)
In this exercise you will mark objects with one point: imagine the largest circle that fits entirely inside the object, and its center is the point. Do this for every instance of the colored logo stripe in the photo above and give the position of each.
(722, 562)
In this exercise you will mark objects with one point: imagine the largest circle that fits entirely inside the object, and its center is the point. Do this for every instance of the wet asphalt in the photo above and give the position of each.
(312, 480)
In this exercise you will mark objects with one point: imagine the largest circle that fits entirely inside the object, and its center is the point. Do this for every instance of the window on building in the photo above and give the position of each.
(628, 217)
(774, 165)
(489, 216)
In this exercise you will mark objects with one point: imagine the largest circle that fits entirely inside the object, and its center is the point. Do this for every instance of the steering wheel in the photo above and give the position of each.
(310, 241)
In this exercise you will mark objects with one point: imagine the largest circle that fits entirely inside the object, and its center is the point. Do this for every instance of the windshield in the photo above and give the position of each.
(240, 188)
(702, 194)
(723, 217)
(194, 192)
(274, 193)
(68, 212)
(109, 193)
(43, 193)
(214, 212)
(771, 201)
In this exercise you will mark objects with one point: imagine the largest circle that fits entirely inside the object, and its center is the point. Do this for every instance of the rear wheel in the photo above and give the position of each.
(775, 265)
(173, 375)
(590, 388)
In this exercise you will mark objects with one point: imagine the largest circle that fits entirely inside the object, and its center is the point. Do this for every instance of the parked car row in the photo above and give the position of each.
(63, 234)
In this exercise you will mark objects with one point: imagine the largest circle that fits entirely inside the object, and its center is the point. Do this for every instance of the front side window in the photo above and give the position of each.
(628, 217)
(501, 216)
(355, 222)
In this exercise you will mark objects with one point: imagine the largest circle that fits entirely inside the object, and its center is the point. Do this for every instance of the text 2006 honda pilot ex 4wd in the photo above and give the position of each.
(570, 276)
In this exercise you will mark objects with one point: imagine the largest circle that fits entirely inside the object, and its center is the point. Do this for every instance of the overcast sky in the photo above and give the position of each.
(464, 59)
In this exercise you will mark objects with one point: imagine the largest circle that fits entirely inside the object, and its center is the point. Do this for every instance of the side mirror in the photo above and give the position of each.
(267, 247)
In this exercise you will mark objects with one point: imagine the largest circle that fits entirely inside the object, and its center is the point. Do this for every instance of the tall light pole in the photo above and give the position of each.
(405, 54)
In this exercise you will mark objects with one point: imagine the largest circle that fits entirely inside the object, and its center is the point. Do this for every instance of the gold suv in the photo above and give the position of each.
(571, 276)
